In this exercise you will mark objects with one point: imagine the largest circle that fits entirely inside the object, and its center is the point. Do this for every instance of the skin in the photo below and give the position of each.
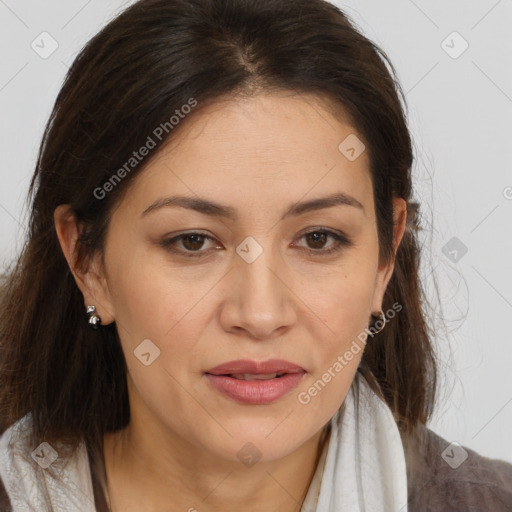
(258, 155)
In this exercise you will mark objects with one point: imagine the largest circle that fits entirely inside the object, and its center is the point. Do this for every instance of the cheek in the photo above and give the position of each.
(153, 303)
(343, 309)
(148, 301)
(344, 299)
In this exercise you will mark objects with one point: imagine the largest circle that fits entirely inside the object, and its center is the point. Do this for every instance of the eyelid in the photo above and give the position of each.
(341, 241)
(168, 244)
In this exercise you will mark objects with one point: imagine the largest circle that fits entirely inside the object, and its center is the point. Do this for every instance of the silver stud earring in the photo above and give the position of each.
(93, 318)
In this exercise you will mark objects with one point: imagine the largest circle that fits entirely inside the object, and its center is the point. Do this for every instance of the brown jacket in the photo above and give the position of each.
(440, 478)
(437, 483)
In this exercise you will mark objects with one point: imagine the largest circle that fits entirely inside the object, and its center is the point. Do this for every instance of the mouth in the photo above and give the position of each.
(255, 383)
(269, 369)
(254, 376)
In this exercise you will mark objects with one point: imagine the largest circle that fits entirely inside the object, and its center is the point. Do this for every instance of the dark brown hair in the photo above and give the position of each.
(128, 80)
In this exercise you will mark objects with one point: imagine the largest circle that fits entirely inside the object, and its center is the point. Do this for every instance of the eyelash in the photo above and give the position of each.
(341, 242)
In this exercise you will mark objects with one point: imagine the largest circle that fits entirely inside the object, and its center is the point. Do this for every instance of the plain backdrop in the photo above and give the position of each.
(454, 63)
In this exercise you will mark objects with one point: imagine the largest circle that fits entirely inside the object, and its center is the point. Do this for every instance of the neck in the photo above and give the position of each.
(145, 476)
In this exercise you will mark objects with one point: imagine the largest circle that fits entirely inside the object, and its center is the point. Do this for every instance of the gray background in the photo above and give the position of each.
(460, 107)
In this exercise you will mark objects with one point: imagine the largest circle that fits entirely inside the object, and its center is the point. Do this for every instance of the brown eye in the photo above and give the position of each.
(191, 244)
(316, 241)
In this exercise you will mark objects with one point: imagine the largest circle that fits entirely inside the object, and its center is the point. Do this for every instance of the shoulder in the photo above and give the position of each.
(450, 477)
(13, 443)
(5, 504)
(33, 474)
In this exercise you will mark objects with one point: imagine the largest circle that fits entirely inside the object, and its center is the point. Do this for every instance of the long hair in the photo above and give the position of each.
(130, 79)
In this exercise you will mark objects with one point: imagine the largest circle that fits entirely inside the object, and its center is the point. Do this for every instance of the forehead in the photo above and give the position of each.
(269, 145)
(267, 125)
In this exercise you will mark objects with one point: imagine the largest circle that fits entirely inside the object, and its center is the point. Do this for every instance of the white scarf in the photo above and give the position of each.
(64, 486)
(362, 467)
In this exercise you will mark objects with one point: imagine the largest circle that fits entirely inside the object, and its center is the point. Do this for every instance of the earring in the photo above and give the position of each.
(379, 321)
(93, 319)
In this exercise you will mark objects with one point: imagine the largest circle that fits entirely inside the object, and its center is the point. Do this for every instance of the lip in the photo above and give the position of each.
(255, 367)
(255, 392)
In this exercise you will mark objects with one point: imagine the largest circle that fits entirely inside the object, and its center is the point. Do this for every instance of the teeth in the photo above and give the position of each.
(252, 376)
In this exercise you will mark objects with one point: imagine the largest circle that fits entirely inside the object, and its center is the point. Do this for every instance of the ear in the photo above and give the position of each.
(92, 281)
(386, 270)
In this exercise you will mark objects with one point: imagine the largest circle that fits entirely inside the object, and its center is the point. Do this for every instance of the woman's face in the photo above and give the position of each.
(244, 264)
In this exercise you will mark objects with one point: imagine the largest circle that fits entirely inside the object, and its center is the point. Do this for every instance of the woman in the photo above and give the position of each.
(218, 305)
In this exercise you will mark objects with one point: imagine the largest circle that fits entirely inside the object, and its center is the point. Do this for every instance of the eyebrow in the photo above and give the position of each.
(207, 207)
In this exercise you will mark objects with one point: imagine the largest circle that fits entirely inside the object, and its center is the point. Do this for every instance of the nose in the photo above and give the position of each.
(260, 302)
